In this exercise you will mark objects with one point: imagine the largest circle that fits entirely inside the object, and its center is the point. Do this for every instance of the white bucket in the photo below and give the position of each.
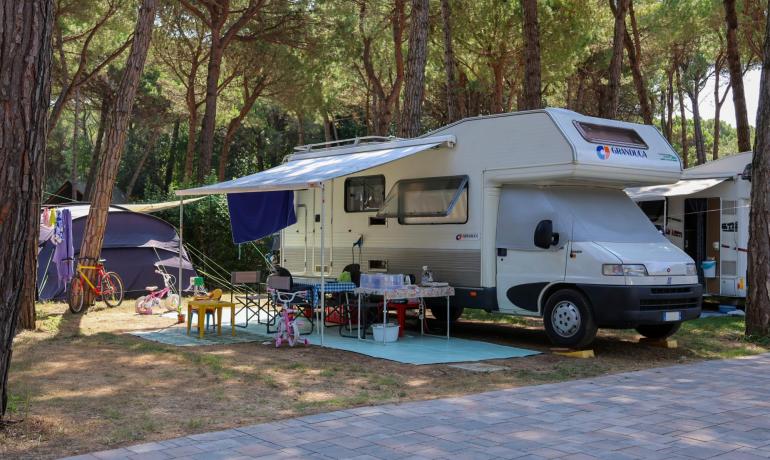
(391, 332)
(709, 268)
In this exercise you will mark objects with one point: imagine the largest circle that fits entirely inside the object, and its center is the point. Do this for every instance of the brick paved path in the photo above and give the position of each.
(715, 409)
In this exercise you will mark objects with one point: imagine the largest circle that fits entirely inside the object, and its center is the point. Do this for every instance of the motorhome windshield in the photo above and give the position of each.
(603, 215)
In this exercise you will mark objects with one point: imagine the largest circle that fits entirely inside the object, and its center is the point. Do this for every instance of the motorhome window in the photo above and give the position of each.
(433, 200)
(364, 194)
(653, 209)
(602, 134)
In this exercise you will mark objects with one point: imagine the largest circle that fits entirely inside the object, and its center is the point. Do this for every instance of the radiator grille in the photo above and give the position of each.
(668, 304)
(671, 290)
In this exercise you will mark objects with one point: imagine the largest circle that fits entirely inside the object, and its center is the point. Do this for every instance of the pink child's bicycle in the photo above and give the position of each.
(289, 322)
(154, 298)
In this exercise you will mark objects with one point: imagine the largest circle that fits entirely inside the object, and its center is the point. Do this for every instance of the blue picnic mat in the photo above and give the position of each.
(410, 349)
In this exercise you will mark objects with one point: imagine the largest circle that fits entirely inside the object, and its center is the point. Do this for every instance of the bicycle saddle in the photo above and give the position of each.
(151, 288)
(101, 261)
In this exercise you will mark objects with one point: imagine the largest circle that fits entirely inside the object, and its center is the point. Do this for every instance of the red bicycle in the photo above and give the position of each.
(109, 286)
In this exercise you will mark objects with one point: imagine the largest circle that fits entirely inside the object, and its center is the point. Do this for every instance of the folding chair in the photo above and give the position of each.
(249, 293)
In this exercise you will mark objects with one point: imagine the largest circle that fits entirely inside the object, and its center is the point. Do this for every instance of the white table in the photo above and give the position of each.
(406, 292)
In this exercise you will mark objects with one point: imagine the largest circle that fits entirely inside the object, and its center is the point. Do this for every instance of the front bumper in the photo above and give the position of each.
(631, 306)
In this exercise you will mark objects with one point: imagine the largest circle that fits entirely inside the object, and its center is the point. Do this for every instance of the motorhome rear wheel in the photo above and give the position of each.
(438, 309)
(568, 320)
(658, 331)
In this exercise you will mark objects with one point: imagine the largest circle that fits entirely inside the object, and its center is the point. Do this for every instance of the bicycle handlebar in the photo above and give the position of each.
(288, 297)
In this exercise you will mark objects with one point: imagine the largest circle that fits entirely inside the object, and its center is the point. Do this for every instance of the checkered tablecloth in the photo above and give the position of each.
(330, 287)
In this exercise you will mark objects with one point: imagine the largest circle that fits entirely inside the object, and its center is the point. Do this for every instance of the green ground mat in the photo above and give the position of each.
(178, 336)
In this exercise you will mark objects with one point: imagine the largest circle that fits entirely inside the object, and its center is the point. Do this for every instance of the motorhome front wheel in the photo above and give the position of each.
(658, 331)
(568, 320)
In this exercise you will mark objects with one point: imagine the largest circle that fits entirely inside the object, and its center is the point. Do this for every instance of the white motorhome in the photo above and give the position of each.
(524, 213)
(706, 214)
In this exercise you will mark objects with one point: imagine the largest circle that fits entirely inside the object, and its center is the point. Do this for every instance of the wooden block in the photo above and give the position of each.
(574, 353)
(665, 343)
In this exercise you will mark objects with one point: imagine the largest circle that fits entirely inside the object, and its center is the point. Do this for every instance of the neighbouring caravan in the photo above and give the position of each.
(707, 215)
(524, 213)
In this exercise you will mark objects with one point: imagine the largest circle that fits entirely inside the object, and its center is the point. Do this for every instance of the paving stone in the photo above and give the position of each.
(678, 412)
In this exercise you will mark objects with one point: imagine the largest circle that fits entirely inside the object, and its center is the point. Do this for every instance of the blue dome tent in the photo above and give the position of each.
(134, 245)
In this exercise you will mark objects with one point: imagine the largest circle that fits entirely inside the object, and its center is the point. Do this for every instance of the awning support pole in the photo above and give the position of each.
(323, 261)
(181, 233)
(665, 214)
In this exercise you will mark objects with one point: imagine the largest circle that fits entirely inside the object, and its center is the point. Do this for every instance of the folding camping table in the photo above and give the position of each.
(406, 292)
(314, 285)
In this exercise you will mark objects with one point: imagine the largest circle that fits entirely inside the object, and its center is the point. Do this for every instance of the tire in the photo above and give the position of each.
(658, 331)
(568, 320)
(112, 289)
(77, 295)
(437, 307)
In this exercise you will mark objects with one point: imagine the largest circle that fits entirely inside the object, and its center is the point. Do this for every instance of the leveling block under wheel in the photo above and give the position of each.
(660, 343)
(573, 353)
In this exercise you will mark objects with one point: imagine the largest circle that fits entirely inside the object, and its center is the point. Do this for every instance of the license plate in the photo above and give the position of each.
(672, 316)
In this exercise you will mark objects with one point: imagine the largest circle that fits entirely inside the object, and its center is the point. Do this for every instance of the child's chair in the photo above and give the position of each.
(216, 294)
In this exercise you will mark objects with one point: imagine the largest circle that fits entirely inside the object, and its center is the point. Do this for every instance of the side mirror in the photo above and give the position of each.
(544, 235)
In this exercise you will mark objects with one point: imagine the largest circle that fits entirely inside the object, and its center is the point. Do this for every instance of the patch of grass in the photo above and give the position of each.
(561, 371)
(113, 413)
(719, 338)
(50, 323)
(474, 314)
(360, 398)
(295, 367)
(194, 424)
(328, 373)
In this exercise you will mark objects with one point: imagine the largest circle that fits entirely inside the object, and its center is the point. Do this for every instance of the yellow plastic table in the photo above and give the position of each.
(203, 306)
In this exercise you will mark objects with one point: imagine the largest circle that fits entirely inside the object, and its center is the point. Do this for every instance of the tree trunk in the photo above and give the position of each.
(250, 97)
(25, 94)
(532, 91)
(189, 157)
(74, 165)
(152, 141)
(758, 298)
(414, 88)
(300, 129)
(97, 150)
(670, 105)
(609, 108)
(449, 63)
(172, 156)
(683, 119)
(497, 98)
(115, 135)
(327, 127)
(634, 51)
(736, 77)
(210, 112)
(700, 147)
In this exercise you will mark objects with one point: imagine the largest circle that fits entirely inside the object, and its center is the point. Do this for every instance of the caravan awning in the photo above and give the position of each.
(683, 187)
(304, 173)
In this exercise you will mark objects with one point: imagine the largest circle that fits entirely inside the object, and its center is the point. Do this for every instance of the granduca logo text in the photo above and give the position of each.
(605, 151)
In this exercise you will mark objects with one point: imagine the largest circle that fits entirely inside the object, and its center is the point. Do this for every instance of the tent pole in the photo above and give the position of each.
(181, 233)
(323, 261)
(665, 212)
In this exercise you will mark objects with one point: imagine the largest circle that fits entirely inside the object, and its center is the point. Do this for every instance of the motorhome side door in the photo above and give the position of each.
(523, 269)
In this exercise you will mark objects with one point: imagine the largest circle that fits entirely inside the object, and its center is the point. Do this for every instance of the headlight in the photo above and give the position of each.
(624, 270)
(691, 270)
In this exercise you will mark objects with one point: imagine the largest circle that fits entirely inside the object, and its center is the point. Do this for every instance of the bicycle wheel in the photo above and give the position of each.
(173, 302)
(77, 295)
(112, 289)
